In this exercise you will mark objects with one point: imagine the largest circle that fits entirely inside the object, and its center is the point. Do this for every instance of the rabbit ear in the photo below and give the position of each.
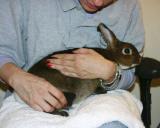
(108, 36)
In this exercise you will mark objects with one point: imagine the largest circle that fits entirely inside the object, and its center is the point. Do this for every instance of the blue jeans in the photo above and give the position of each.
(114, 124)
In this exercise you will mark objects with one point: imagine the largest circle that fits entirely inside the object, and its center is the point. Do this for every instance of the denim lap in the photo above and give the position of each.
(114, 124)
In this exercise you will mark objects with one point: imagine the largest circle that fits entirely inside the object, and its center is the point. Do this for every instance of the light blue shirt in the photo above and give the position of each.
(54, 25)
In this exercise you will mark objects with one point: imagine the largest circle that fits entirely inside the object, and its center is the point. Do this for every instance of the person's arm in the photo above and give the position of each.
(35, 91)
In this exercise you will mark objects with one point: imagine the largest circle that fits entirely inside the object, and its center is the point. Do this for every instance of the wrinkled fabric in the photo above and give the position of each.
(118, 105)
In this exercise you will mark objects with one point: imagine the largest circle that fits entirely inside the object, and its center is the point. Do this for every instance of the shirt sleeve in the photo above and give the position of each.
(134, 34)
(127, 79)
(5, 59)
(11, 46)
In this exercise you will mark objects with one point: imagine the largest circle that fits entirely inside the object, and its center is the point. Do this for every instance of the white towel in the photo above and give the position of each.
(117, 105)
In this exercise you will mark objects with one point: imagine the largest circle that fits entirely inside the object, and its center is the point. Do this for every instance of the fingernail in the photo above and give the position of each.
(47, 61)
(50, 65)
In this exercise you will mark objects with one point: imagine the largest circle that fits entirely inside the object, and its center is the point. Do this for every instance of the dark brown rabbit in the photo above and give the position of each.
(124, 54)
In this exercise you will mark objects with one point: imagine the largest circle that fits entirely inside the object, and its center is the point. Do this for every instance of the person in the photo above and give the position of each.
(28, 35)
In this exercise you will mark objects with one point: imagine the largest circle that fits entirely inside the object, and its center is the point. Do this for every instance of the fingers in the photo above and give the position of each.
(37, 107)
(69, 60)
(59, 96)
(60, 61)
(45, 106)
(66, 68)
(72, 56)
(49, 102)
(64, 56)
(75, 65)
(65, 63)
(52, 100)
(83, 51)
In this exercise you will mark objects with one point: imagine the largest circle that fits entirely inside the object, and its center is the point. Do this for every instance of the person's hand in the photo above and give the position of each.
(35, 91)
(38, 93)
(83, 63)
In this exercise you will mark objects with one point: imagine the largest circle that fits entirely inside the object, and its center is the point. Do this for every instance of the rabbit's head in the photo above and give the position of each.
(123, 53)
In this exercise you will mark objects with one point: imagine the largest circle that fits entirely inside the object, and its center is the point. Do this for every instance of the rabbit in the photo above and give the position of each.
(75, 89)
(124, 54)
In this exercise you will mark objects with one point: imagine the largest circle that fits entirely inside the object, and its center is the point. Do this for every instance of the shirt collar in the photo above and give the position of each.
(68, 4)
(110, 13)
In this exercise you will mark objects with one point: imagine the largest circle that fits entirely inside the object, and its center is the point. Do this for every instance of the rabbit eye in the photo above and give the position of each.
(127, 51)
